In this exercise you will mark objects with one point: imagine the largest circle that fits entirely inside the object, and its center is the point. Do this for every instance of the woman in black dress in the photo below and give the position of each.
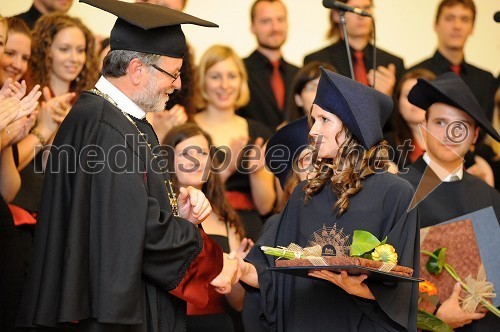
(351, 191)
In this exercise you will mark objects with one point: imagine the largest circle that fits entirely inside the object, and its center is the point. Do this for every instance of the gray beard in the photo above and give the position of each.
(149, 100)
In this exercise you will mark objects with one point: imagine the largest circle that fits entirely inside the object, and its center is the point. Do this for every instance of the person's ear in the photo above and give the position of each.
(298, 100)
(335, 16)
(476, 134)
(136, 70)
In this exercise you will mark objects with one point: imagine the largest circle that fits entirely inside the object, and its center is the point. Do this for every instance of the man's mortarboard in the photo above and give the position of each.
(450, 89)
(362, 109)
(147, 28)
(285, 146)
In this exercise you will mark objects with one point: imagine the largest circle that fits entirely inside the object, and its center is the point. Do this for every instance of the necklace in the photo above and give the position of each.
(172, 199)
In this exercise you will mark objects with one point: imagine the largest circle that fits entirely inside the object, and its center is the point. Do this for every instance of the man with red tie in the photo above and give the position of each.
(453, 25)
(269, 75)
(359, 31)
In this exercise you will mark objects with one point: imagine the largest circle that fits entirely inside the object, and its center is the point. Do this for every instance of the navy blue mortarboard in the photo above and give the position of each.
(363, 110)
(450, 89)
(147, 28)
(285, 146)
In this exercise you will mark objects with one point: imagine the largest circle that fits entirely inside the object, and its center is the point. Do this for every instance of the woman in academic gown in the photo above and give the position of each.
(351, 191)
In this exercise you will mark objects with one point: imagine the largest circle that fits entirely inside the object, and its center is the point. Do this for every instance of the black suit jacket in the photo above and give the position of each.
(30, 17)
(482, 83)
(336, 55)
(262, 106)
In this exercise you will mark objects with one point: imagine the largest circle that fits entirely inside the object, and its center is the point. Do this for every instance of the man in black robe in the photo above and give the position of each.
(110, 251)
(444, 191)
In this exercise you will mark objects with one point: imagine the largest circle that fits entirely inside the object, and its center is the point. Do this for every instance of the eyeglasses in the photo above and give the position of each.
(174, 77)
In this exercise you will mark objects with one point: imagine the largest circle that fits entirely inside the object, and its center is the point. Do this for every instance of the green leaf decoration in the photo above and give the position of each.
(435, 266)
(363, 242)
(429, 322)
(383, 241)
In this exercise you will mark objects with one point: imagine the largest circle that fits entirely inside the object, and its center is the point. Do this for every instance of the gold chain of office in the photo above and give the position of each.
(168, 184)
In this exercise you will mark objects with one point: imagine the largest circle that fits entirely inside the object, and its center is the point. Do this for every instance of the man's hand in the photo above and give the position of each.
(452, 314)
(482, 170)
(193, 205)
(385, 79)
(229, 275)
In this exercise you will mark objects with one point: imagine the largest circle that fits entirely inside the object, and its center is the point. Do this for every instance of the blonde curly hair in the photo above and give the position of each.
(44, 33)
(348, 169)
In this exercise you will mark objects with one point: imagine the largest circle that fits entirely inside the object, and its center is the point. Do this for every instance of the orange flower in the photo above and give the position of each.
(427, 287)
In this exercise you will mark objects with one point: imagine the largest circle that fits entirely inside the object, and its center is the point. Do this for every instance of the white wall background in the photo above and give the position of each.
(404, 27)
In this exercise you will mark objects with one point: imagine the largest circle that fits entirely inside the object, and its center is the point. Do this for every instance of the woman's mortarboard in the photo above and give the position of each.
(362, 109)
(285, 146)
(450, 89)
(147, 28)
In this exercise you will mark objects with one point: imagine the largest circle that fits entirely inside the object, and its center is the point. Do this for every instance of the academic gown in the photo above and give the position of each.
(451, 200)
(290, 303)
(108, 251)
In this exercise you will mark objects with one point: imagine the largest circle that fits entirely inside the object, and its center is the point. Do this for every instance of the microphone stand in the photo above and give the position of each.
(374, 53)
(344, 29)
(348, 48)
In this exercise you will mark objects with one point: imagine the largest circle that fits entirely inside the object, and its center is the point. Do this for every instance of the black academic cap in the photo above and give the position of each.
(450, 89)
(285, 146)
(147, 28)
(363, 110)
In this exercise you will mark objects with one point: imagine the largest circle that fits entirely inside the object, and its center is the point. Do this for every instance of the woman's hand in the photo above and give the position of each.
(59, 106)
(16, 131)
(163, 122)
(353, 285)
(244, 248)
(29, 102)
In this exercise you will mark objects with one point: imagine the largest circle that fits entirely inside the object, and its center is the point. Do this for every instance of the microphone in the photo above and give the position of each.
(496, 17)
(342, 6)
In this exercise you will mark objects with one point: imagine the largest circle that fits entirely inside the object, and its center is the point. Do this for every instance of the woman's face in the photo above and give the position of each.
(410, 113)
(324, 130)
(192, 161)
(223, 84)
(15, 57)
(305, 164)
(306, 97)
(68, 54)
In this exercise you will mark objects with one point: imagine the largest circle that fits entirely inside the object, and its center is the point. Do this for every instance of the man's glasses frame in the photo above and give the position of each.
(174, 77)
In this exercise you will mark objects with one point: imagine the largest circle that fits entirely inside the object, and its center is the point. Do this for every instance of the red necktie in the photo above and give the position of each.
(359, 68)
(456, 69)
(278, 85)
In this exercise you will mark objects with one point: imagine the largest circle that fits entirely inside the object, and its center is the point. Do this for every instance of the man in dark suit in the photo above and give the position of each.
(269, 75)
(41, 7)
(453, 26)
(359, 30)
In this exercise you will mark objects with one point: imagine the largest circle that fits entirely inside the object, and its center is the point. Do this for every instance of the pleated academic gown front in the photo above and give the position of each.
(290, 303)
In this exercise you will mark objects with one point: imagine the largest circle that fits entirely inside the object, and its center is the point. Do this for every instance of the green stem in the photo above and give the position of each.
(487, 304)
